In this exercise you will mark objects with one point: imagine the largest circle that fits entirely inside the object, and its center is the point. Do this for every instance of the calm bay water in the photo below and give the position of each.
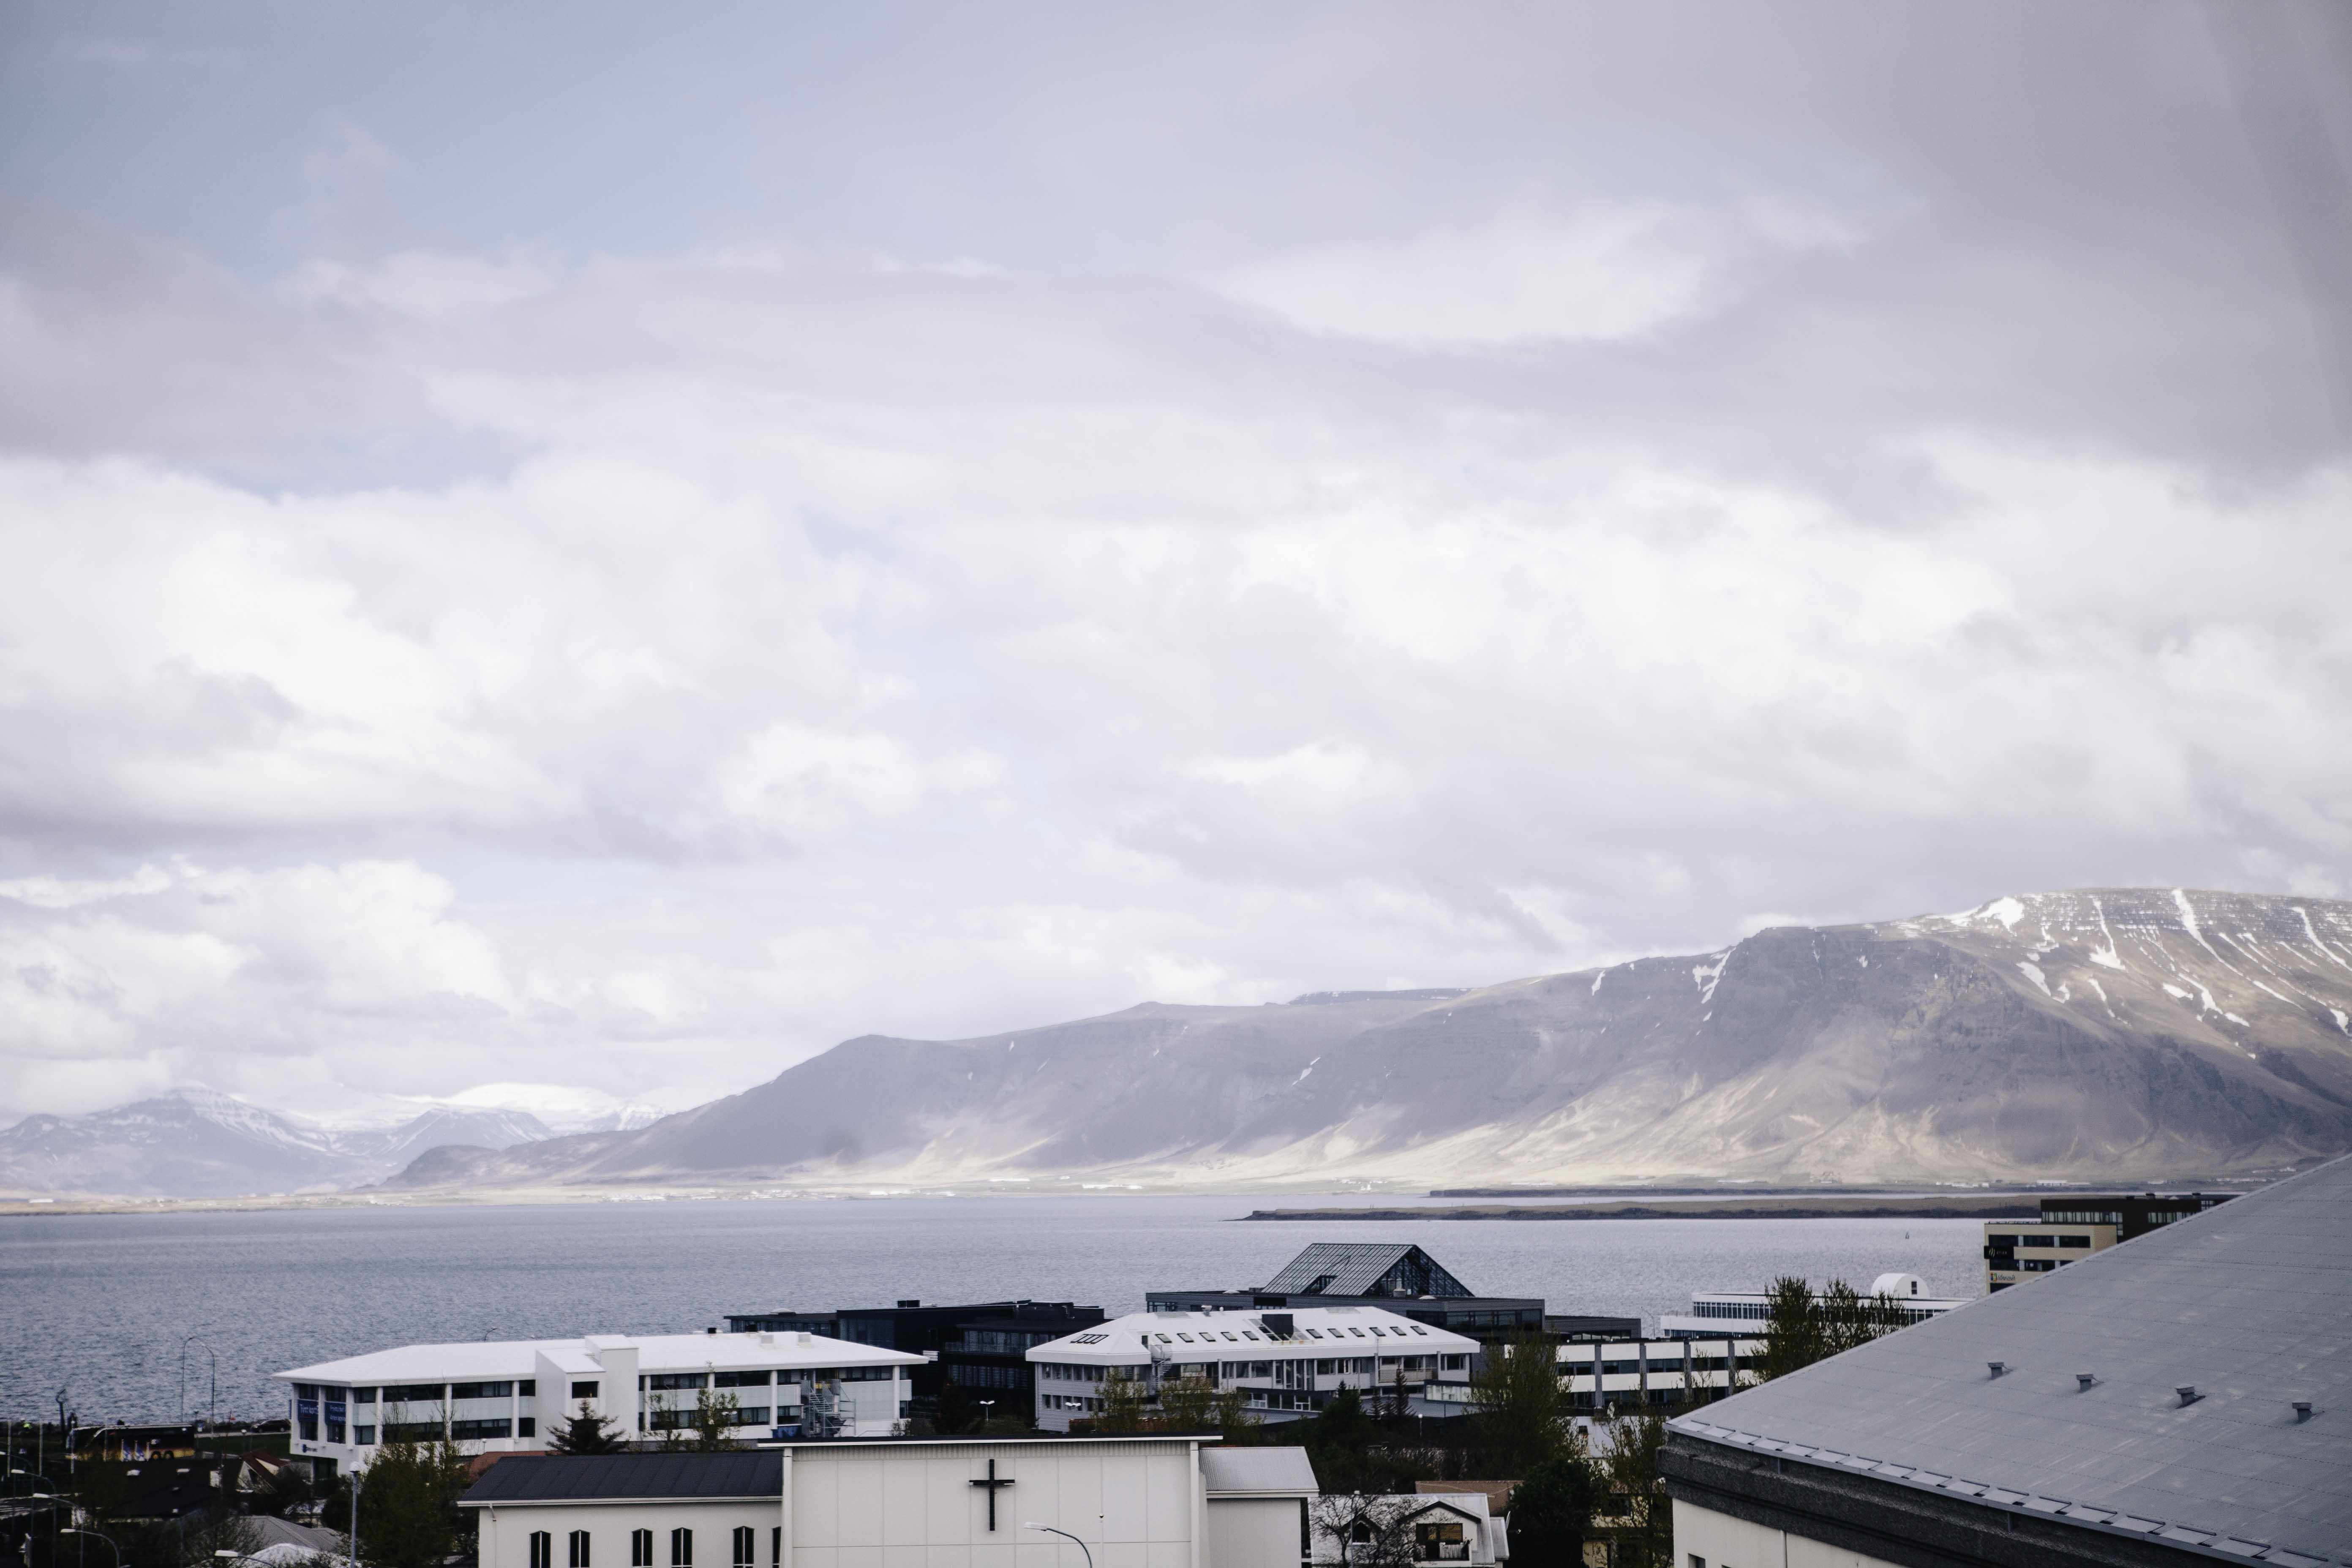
(99, 1304)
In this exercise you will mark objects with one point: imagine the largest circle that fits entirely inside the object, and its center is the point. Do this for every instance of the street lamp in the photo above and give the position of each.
(198, 1340)
(1032, 1524)
(108, 1539)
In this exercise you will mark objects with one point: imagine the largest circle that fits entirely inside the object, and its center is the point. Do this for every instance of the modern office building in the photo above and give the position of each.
(1396, 1275)
(2184, 1399)
(980, 1346)
(1717, 1312)
(1053, 1502)
(2077, 1225)
(506, 1397)
(1597, 1376)
(1287, 1365)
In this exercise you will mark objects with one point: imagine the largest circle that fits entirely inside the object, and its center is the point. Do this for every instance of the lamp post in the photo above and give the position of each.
(108, 1539)
(1032, 1524)
(215, 1361)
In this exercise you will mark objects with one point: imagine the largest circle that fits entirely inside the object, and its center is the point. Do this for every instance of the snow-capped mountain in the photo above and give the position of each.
(2108, 1035)
(197, 1142)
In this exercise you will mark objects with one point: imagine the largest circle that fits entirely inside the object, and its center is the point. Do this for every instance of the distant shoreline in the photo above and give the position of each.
(1999, 1206)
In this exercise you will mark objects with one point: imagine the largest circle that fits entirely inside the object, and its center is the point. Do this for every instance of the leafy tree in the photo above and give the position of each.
(408, 1505)
(1516, 1398)
(1637, 1498)
(1849, 1320)
(1196, 1405)
(1123, 1400)
(1551, 1510)
(585, 1432)
(714, 1421)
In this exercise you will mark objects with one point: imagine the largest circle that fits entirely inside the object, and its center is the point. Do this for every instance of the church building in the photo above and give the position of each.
(903, 1502)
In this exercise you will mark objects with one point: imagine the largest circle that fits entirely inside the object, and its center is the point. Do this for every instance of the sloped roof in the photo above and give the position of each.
(2250, 1304)
(569, 1477)
(1258, 1472)
(1355, 1267)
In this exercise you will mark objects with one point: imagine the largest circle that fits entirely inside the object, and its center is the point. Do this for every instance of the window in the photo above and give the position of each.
(528, 1426)
(584, 1390)
(411, 1393)
(1440, 1541)
(681, 1548)
(776, 1546)
(1454, 1364)
(741, 1378)
(473, 1431)
(542, 1549)
(363, 1435)
(751, 1416)
(641, 1548)
(362, 1397)
(528, 1388)
(743, 1543)
(579, 1544)
(2073, 1241)
(412, 1432)
(481, 1391)
(676, 1379)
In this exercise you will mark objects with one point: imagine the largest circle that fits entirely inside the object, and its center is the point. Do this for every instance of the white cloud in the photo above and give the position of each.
(1534, 268)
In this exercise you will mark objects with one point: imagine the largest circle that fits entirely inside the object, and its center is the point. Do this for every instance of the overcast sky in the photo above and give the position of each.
(619, 545)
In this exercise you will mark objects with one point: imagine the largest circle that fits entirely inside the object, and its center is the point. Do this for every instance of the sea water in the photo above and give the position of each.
(135, 1316)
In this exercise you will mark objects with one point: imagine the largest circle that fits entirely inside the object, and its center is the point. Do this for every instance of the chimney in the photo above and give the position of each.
(2302, 1410)
(2084, 1379)
(1998, 1367)
(2188, 1394)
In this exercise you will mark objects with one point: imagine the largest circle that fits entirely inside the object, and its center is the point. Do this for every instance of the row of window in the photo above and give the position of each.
(1210, 1337)
(679, 1420)
(306, 1427)
(760, 1378)
(434, 1393)
(2031, 1238)
(578, 1548)
(965, 1374)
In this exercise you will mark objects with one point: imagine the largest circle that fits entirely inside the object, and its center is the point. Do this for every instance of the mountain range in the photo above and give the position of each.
(2108, 1035)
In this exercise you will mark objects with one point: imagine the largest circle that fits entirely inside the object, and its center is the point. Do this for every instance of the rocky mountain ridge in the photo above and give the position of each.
(2105, 1033)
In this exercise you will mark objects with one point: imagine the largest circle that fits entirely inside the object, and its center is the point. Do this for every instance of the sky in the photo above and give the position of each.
(617, 546)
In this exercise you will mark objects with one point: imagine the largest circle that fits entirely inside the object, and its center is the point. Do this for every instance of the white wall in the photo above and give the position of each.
(1253, 1532)
(1728, 1542)
(914, 1506)
(506, 1530)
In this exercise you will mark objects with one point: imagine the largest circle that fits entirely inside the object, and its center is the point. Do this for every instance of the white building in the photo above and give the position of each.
(1287, 1364)
(912, 1502)
(508, 1397)
(1744, 1312)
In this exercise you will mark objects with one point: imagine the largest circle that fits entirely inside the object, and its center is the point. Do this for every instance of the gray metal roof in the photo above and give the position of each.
(572, 1477)
(1355, 1267)
(2249, 1303)
(1280, 1472)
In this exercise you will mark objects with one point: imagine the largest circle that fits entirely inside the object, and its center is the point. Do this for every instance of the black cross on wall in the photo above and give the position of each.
(993, 1483)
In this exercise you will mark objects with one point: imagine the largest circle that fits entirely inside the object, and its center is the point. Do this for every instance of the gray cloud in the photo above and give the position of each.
(1320, 501)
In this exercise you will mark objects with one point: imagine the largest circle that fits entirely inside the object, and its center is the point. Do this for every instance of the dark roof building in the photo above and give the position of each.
(1398, 1275)
(2185, 1396)
(981, 1347)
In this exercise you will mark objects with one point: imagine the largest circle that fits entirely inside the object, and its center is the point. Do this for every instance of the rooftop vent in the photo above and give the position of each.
(808, 1339)
(2084, 1379)
(710, 1331)
(1998, 1367)
(2188, 1394)
(2302, 1410)
(905, 1303)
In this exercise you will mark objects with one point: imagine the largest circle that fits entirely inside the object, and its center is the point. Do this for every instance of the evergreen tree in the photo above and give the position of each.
(1517, 1397)
(408, 1505)
(585, 1432)
(714, 1421)
(1792, 1329)
(1551, 1511)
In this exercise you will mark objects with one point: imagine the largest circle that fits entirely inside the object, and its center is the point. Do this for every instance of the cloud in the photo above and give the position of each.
(1534, 268)
(462, 659)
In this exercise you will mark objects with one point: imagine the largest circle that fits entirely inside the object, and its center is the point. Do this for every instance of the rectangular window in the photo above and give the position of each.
(681, 1548)
(579, 1542)
(481, 1391)
(411, 1393)
(475, 1431)
(641, 1548)
(743, 1542)
(528, 1426)
(412, 1432)
(528, 1388)
(740, 1379)
(584, 1390)
(363, 1435)
(2073, 1241)
(776, 1546)
(542, 1549)
(676, 1379)
(751, 1416)
(362, 1397)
